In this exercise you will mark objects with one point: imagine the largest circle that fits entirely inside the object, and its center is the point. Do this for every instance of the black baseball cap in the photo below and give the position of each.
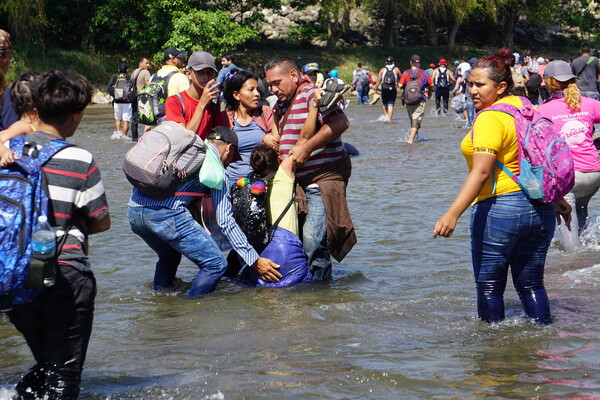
(174, 52)
(416, 60)
(389, 59)
(225, 135)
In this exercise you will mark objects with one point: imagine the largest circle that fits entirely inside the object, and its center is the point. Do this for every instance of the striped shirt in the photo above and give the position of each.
(221, 200)
(290, 132)
(76, 195)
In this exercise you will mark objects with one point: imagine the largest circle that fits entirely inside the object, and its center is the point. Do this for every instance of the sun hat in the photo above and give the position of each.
(559, 70)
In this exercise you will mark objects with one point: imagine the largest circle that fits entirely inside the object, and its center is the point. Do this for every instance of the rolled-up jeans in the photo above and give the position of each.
(172, 233)
(314, 236)
(511, 230)
(586, 185)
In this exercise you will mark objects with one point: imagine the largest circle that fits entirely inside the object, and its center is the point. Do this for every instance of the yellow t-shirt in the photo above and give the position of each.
(178, 82)
(494, 132)
(280, 194)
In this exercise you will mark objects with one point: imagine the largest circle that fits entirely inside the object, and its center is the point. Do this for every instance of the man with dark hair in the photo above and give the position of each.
(141, 77)
(587, 68)
(122, 105)
(227, 62)
(388, 78)
(324, 167)
(58, 323)
(416, 109)
(147, 218)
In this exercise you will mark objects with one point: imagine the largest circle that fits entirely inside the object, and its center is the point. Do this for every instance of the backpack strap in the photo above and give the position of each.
(180, 97)
(587, 62)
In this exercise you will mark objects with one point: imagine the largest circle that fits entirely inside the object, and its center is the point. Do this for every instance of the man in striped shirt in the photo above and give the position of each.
(322, 151)
(169, 229)
(58, 323)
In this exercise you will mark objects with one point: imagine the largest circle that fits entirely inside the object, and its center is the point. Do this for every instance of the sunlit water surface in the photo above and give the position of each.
(397, 321)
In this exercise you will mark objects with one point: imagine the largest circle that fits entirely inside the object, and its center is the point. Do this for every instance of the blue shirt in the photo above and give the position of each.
(249, 137)
(9, 116)
(223, 72)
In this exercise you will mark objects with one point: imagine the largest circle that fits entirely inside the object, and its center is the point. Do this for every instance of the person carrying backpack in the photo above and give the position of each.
(520, 77)
(122, 88)
(587, 68)
(508, 227)
(416, 86)
(387, 83)
(167, 81)
(443, 80)
(57, 324)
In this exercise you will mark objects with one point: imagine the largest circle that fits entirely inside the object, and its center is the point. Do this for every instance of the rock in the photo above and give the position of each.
(101, 97)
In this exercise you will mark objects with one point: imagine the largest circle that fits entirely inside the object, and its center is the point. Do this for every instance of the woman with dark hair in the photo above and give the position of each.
(507, 228)
(252, 123)
(7, 113)
(574, 117)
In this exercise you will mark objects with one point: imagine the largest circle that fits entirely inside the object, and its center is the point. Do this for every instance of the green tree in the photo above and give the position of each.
(25, 18)
(213, 31)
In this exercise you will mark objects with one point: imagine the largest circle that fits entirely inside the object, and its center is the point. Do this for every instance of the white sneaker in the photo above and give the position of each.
(116, 135)
(382, 118)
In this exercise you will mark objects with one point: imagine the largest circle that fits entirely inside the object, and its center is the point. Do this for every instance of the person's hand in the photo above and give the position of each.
(301, 154)
(211, 92)
(270, 141)
(445, 225)
(6, 156)
(563, 209)
(317, 98)
(267, 270)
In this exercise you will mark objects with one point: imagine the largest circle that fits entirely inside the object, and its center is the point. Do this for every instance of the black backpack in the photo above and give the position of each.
(124, 91)
(389, 80)
(442, 79)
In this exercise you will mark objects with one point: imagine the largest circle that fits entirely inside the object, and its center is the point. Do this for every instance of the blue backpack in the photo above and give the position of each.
(22, 200)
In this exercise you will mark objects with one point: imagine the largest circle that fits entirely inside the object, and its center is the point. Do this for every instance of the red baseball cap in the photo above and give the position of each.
(443, 62)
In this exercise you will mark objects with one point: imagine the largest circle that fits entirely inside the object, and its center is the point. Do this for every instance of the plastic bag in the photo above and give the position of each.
(212, 172)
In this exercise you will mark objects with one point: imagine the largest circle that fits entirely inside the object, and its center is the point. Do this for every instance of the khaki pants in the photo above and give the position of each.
(415, 113)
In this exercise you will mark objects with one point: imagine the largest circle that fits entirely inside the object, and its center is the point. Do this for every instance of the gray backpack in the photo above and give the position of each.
(163, 159)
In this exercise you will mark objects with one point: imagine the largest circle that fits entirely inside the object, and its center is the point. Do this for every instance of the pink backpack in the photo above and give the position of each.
(546, 171)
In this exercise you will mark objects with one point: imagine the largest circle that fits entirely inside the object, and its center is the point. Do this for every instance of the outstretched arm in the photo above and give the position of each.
(310, 124)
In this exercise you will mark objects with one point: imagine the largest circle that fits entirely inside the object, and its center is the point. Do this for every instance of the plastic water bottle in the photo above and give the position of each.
(43, 243)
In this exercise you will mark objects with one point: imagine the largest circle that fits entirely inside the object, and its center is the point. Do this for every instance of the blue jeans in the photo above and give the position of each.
(172, 233)
(365, 94)
(510, 230)
(359, 93)
(314, 236)
(470, 110)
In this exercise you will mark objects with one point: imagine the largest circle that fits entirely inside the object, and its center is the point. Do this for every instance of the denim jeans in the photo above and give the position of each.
(314, 236)
(171, 234)
(511, 230)
(586, 186)
(470, 110)
(365, 94)
(359, 93)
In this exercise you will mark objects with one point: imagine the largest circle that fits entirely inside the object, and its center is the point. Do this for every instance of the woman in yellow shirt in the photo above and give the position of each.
(507, 228)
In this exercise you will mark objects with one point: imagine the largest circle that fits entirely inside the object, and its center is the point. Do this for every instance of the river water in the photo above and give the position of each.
(398, 321)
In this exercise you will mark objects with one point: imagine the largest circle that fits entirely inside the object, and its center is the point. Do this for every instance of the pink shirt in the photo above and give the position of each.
(577, 128)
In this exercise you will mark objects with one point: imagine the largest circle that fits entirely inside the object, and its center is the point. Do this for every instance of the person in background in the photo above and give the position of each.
(141, 76)
(574, 117)
(507, 228)
(227, 65)
(9, 116)
(587, 68)
(416, 111)
(387, 79)
(123, 108)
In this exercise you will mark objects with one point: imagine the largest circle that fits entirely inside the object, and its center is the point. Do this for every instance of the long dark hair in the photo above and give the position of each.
(499, 66)
(234, 83)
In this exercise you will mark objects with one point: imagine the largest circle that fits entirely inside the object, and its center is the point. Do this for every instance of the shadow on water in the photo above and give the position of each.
(397, 321)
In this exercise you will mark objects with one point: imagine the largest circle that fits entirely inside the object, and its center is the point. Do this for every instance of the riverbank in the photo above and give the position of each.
(99, 67)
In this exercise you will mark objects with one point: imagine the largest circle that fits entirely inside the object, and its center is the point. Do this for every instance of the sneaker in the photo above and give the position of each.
(330, 98)
(116, 135)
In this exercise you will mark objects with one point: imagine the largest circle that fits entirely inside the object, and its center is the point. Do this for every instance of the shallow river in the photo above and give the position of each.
(398, 321)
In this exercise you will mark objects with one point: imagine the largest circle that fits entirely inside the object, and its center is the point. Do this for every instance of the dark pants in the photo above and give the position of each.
(442, 93)
(134, 121)
(57, 326)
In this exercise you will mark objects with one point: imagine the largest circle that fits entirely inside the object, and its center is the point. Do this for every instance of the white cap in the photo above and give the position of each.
(42, 219)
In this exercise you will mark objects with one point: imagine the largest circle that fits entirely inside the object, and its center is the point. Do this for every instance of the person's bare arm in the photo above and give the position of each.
(331, 130)
(311, 123)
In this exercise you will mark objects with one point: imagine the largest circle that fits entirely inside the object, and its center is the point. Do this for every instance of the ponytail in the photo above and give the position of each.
(571, 92)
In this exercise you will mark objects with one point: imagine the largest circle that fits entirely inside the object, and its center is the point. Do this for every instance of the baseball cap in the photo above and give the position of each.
(442, 61)
(416, 60)
(541, 60)
(389, 59)
(225, 135)
(559, 70)
(310, 67)
(174, 52)
(200, 60)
